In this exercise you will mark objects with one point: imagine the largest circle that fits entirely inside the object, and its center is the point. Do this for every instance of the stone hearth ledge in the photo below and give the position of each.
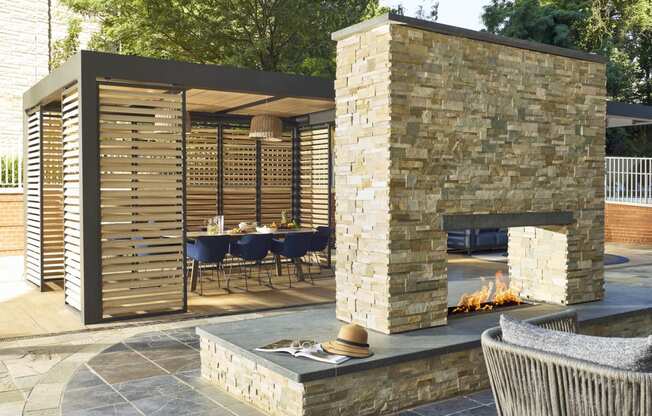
(406, 369)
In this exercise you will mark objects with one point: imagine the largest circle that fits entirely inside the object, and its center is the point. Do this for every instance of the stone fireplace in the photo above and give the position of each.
(440, 128)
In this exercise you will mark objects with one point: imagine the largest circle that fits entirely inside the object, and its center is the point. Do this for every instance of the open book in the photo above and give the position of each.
(315, 352)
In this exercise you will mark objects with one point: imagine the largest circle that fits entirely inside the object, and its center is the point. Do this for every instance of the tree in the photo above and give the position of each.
(68, 46)
(276, 35)
(620, 30)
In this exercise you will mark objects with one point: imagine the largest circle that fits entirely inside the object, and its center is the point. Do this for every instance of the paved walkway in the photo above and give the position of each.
(159, 365)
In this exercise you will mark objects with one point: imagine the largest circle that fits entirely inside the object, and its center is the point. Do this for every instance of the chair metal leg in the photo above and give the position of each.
(289, 274)
(217, 274)
(243, 272)
(201, 281)
(258, 266)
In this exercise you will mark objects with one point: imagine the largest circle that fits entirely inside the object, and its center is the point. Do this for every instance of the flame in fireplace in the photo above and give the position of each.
(481, 300)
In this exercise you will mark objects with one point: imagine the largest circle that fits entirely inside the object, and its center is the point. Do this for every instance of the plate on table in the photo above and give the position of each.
(264, 230)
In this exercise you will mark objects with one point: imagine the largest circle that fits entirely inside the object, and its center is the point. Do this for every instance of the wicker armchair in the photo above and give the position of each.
(535, 383)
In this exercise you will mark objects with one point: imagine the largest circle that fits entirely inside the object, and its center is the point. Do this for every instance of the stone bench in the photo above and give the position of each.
(406, 369)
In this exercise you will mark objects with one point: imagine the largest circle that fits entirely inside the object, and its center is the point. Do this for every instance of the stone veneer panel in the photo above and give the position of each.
(376, 391)
(429, 124)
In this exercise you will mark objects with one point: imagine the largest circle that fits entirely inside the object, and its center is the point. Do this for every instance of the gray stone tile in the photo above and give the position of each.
(90, 398)
(152, 336)
(137, 370)
(183, 404)
(114, 359)
(123, 409)
(483, 397)
(185, 335)
(407, 413)
(153, 386)
(479, 411)
(161, 349)
(119, 347)
(446, 407)
(83, 378)
(180, 364)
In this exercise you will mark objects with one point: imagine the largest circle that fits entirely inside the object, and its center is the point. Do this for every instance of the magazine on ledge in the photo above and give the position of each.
(314, 352)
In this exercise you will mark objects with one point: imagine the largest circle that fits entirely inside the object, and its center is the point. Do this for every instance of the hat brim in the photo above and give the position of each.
(339, 348)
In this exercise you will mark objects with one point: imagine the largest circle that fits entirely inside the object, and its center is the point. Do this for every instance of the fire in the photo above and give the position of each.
(480, 300)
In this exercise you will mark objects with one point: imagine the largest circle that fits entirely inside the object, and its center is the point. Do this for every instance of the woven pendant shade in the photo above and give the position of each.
(266, 127)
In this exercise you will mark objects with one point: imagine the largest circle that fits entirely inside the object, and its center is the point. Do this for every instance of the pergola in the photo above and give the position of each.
(124, 155)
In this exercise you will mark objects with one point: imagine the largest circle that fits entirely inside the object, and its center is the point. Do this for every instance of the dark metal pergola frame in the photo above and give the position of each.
(87, 69)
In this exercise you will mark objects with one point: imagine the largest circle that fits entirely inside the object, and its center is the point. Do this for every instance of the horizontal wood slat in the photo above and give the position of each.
(52, 219)
(33, 195)
(314, 161)
(276, 180)
(71, 197)
(201, 177)
(239, 176)
(141, 178)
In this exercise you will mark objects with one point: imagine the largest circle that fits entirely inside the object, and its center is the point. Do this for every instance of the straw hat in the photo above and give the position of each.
(351, 341)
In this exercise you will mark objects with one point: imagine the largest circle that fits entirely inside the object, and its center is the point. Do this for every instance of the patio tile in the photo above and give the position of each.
(90, 398)
(484, 396)
(446, 407)
(83, 378)
(187, 403)
(152, 386)
(184, 335)
(179, 364)
(151, 336)
(123, 409)
(479, 411)
(45, 396)
(161, 349)
(138, 369)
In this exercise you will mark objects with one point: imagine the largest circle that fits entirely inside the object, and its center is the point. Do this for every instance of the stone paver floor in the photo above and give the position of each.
(153, 370)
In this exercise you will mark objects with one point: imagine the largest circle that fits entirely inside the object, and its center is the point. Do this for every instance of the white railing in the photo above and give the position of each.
(11, 172)
(628, 179)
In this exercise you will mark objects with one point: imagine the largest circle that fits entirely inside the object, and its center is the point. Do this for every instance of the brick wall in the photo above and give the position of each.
(629, 224)
(24, 41)
(12, 225)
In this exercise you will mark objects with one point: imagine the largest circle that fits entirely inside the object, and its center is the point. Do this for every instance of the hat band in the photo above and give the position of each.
(354, 344)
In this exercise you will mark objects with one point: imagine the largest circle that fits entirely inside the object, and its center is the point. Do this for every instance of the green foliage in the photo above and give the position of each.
(276, 35)
(9, 171)
(618, 29)
(68, 46)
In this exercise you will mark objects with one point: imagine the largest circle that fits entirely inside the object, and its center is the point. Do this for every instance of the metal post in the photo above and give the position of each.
(296, 174)
(89, 176)
(184, 196)
(259, 177)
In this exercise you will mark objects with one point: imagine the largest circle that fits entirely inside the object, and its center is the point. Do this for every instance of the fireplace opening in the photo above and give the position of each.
(478, 273)
(493, 295)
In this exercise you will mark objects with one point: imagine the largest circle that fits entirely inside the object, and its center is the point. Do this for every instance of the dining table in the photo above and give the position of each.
(277, 232)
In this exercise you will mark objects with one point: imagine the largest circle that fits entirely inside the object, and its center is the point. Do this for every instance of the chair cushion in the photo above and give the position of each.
(633, 354)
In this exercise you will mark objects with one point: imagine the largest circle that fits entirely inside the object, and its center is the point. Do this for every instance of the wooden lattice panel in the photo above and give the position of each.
(141, 173)
(71, 196)
(276, 181)
(201, 177)
(33, 191)
(239, 178)
(52, 217)
(314, 191)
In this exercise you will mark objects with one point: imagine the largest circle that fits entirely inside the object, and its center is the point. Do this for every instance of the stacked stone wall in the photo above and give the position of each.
(430, 124)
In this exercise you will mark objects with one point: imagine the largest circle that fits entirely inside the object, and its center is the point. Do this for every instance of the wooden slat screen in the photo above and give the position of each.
(33, 190)
(201, 177)
(141, 173)
(52, 177)
(71, 196)
(314, 194)
(276, 181)
(239, 193)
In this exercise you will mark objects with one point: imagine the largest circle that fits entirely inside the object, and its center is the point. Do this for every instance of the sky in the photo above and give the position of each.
(462, 13)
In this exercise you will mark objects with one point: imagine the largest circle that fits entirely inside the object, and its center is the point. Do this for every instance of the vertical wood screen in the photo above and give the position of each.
(315, 194)
(141, 173)
(276, 181)
(52, 177)
(201, 177)
(71, 196)
(239, 177)
(33, 189)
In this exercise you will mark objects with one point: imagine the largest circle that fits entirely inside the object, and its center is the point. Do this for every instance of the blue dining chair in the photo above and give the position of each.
(293, 247)
(319, 243)
(252, 248)
(208, 250)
